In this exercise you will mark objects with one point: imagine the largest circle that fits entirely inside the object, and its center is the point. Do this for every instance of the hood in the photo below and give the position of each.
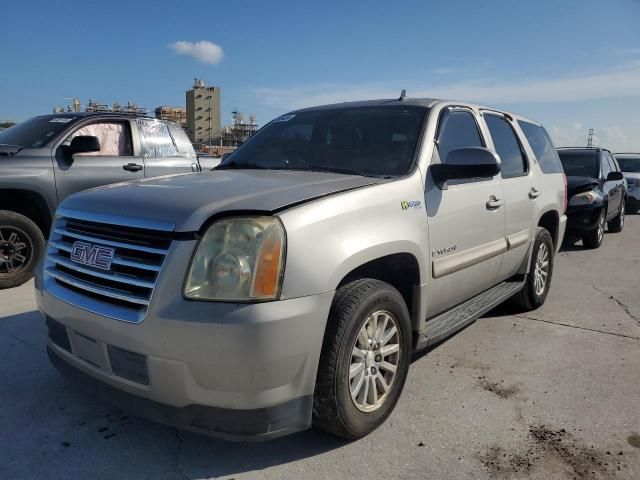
(580, 184)
(188, 200)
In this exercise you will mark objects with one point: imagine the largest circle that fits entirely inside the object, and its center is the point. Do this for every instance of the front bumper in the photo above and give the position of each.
(583, 218)
(237, 371)
(633, 199)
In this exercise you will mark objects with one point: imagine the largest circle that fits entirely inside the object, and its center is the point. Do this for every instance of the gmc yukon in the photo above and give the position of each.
(290, 286)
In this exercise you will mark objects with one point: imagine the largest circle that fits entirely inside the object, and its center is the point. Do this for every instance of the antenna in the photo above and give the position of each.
(590, 138)
(403, 94)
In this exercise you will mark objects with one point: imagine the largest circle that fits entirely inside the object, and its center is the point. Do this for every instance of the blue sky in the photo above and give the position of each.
(573, 65)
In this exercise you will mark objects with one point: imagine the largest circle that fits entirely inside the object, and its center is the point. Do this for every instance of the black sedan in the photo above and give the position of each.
(597, 193)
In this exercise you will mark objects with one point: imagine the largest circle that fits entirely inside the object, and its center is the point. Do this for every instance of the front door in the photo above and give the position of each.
(115, 162)
(466, 221)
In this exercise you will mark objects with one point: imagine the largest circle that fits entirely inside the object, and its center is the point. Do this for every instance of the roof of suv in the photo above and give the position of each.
(585, 149)
(407, 101)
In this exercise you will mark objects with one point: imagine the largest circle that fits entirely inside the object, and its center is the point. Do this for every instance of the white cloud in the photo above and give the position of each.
(622, 81)
(203, 51)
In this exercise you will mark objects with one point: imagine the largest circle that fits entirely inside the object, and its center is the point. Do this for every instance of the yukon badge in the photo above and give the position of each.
(92, 255)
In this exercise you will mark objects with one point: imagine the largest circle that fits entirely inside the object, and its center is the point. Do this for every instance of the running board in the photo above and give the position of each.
(447, 323)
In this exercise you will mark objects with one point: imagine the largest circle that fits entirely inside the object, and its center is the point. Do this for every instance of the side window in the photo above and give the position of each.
(542, 147)
(182, 142)
(614, 164)
(606, 168)
(457, 129)
(507, 146)
(114, 137)
(155, 140)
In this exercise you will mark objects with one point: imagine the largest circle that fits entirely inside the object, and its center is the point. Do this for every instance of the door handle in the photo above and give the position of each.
(534, 193)
(132, 167)
(494, 203)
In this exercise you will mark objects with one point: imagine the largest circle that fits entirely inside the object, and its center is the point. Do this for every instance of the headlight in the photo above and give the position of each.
(585, 198)
(239, 259)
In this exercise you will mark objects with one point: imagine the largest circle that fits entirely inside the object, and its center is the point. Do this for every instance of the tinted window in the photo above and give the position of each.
(606, 165)
(542, 147)
(376, 141)
(457, 129)
(35, 132)
(155, 140)
(507, 146)
(629, 164)
(580, 164)
(613, 163)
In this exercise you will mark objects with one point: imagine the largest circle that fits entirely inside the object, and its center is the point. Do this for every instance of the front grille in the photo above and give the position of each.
(122, 291)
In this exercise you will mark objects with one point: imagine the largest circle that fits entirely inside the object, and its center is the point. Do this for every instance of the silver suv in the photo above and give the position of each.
(289, 287)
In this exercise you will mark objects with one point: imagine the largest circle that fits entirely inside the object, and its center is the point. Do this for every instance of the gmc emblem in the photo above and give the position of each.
(92, 255)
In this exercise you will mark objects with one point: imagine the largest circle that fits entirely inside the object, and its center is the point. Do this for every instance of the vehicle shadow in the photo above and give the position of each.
(82, 433)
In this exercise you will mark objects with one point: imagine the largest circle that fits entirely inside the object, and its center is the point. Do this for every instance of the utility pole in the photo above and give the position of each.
(590, 138)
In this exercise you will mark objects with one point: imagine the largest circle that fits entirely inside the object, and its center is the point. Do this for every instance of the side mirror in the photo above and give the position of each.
(615, 177)
(84, 144)
(466, 163)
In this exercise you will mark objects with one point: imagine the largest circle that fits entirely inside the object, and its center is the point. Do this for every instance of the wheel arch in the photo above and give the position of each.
(29, 203)
(401, 270)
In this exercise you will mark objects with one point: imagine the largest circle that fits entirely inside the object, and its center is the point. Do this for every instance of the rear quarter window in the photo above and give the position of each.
(183, 144)
(542, 147)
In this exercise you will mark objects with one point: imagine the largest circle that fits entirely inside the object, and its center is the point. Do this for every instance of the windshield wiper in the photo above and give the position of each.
(239, 166)
(344, 171)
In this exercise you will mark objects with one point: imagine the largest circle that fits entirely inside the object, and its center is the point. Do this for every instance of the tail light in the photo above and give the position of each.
(566, 192)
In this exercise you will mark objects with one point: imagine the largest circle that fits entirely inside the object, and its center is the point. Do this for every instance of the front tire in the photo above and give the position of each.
(538, 280)
(617, 224)
(593, 238)
(21, 245)
(364, 360)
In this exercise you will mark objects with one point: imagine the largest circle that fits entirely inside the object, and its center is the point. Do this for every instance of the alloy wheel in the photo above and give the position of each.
(601, 223)
(15, 249)
(541, 271)
(375, 357)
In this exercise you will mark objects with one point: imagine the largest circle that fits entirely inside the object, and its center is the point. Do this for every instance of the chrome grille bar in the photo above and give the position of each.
(124, 290)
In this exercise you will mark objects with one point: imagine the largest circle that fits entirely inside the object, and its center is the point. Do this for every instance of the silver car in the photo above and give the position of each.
(290, 286)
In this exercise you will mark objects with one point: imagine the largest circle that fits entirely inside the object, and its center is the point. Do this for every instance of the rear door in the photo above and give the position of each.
(466, 220)
(115, 162)
(520, 188)
(161, 154)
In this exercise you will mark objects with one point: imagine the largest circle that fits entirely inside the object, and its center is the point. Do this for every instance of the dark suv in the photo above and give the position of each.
(597, 193)
(47, 158)
(630, 166)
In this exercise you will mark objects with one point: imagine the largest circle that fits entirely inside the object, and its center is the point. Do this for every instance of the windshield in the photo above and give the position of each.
(629, 164)
(370, 141)
(35, 132)
(580, 164)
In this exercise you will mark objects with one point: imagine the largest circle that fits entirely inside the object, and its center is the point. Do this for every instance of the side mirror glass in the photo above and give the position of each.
(615, 176)
(84, 144)
(466, 163)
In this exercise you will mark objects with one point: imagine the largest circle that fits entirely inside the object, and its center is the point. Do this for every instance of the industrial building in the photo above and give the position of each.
(173, 114)
(238, 133)
(203, 114)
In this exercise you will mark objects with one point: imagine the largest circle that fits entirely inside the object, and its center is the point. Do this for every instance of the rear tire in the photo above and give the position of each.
(593, 238)
(538, 280)
(617, 224)
(357, 353)
(21, 245)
